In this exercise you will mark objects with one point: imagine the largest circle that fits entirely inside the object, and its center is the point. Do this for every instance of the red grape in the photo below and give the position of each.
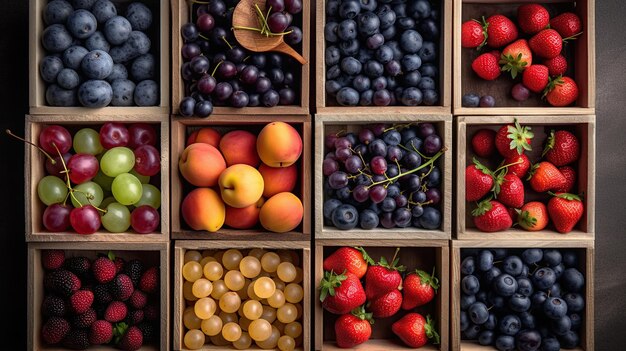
(353, 164)
(82, 167)
(293, 6)
(329, 167)
(277, 5)
(277, 22)
(114, 134)
(432, 144)
(342, 154)
(378, 193)
(147, 160)
(425, 129)
(205, 23)
(360, 193)
(55, 135)
(144, 219)
(433, 195)
(56, 217)
(206, 84)
(366, 136)
(519, 92)
(141, 134)
(378, 165)
(329, 141)
(85, 220)
(342, 142)
(57, 168)
(378, 129)
(338, 180)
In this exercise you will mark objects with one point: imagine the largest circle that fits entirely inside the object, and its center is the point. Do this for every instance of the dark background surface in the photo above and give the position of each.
(610, 277)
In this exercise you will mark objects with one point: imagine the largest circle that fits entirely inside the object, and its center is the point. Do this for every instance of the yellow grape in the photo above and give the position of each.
(208, 253)
(271, 342)
(280, 285)
(231, 331)
(219, 340)
(213, 271)
(280, 326)
(293, 329)
(229, 317)
(294, 293)
(206, 260)
(286, 272)
(244, 342)
(269, 314)
(243, 292)
(286, 343)
(299, 340)
(204, 308)
(211, 326)
(299, 308)
(201, 288)
(218, 256)
(264, 287)
(258, 253)
(188, 291)
(260, 330)
(234, 280)
(250, 266)
(270, 261)
(287, 313)
(299, 276)
(231, 259)
(219, 289)
(244, 323)
(252, 309)
(277, 299)
(192, 271)
(190, 320)
(251, 294)
(194, 339)
(230, 302)
(192, 255)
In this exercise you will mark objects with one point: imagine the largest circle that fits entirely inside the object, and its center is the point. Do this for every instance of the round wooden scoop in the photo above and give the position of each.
(245, 15)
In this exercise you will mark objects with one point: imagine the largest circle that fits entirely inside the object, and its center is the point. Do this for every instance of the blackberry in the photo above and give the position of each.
(78, 265)
(54, 330)
(121, 287)
(148, 330)
(53, 305)
(62, 281)
(134, 269)
(135, 317)
(77, 339)
(102, 294)
(84, 320)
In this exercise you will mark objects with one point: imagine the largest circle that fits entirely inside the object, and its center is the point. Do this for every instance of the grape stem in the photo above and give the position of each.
(199, 2)
(265, 29)
(227, 43)
(203, 37)
(399, 126)
(428, 163)
(215, 69)
(52, 160)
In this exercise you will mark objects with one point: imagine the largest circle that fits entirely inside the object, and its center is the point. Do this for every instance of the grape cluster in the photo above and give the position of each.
(219, 72)
(384, 175)
(382, 53)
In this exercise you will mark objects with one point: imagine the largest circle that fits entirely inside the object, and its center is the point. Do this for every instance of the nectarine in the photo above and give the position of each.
(203, 209)
(241, 185)
(277, 180)
(239, 146)
(281, 213)
(205, 135)
(243, 218)
(201, 164)
(279, 144)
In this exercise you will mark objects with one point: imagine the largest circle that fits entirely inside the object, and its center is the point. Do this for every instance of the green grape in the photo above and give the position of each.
(51, 190)
(107, 200)
(117, 218)
(142, 178)
(150, 196)
(126, 189)
(90, 188)
(103, 180)
(117, 160)
(87, 141)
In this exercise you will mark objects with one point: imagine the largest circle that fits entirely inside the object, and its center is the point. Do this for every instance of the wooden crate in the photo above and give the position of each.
(302, 248)
(160, 49)
(34, 170)
(414, 253)
(181, 14)
(150, 253)
(326, 104)
(335, 123)
(581, 60)
(582, 126)
(180, 130)
(586, 261)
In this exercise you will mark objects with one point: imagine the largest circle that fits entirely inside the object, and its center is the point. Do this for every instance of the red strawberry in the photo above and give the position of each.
(138, 299)
(348, 259)
(561, 91)
(570, 176)
(478, 181)
(472, 34)
(103, 269)
(513, 139)
(383, 277)
(100, 332)
(354, 328)
(556, 66)
(414, 330)
(513, 213)
(565, 211)
(519, 165)
(386, 305)
(62, 281)
(80, 301)
(54, 330)
(484, 142)
(536, 78)
(418, 289)
(121, 287)
(562, 148)
(545, 176)
(341, 293)
(491, 216)
(516, 57)
(486, 66)
(533, 216)
(132, 339)
(546, 44)
(116, 311)
(119, 264)
(532, 18)
(500, 31)
(509, 190)
(52, 259)
(149, 280)
(567, 24)
(84, 320)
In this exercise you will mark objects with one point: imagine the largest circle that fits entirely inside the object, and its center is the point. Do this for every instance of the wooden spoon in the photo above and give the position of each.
(246, 16)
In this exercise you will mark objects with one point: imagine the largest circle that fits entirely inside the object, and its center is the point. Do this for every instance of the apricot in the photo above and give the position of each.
(201, 164)
(203, 209)
(241, 185)
(281, 213)
(278, 179)
(239, 146)
(244, 218)
(205, 135)
(279, 144)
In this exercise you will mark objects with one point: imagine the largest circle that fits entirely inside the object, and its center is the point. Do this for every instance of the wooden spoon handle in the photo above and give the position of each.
(286, 49)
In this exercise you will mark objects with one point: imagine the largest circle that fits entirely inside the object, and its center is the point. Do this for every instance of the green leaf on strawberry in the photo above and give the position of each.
(566, 196)
(329, 283)
(394, 262)
(431, 331)
(366, 257)
(483, 207)
(520, 137)
(482, 167)
(549, 144)
(429, 279)
(360, 313)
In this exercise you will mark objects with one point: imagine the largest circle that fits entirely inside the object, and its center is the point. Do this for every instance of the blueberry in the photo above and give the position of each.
(368, 23)
(366, 98)
(491, 323)
(429, 70)
(203, 108)
(465, 322)
(570, 340)
(472, 331)
(333, 72)
(373, 69)
(431, 219)
(505, 343)
(524, 286)
(411, 62)
(550, 344)
(412, 79)
(490, 275)
(500, 254)
(68, 79)
(347, 30)
(573, 280)
(554, 307)
(428, 52)
(497, 301)
(345, 217)
(419, 9)
(143, 67)
(347, 97)
(329, 206)
(470, 285)
(392, 137)
(384, 54)
(486, 337)
(139, 16)
(478, 312)
(49, 68)
(119, 72)
(538, 298)
(531, 256)
(426, 83)
(349, 47)
(123, 92)
(512, 265)
(57, 12)
(528, 340)
(527, 319)
(485, 260)
(570, 258)
(83, 4)
(505, 285)
(544, 278)
(561, 326)
(429, 29)
(411, 97)
(467, 301)
(510, 324)
(97, 64)
(147, 93)
(97, 42)
(470, 100)
(576, 320)
(117, 30)
(104, 10)
(519, 303)
(368, 5)
(397, 52)
(361, 83)
(468, 265)
(95, 93)
(351, 66)
(82, 24)
(375, 41)
(558, 270)
(332, 7)
(57, 96)
(399, 9)
(386, 15)
(405, 23)
(575, 302)
(368, 219)
(136, 45)
(56, 38)
(349, 9)
(330, 32)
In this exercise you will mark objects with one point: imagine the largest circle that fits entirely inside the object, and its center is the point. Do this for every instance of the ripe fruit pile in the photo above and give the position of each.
(522, 299)
(500, 193)
(255, 175)
(105, 175)
(385, 175)
(239, 297)
(382, 54)
(534, 51)
(95, 302)
(385, 294)
(217, 71)
(92, 49)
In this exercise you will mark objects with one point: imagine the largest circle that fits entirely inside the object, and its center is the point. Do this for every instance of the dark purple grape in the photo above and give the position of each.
(378, 193)
(276, 5)
(277, 22)
(190, 50)
(222, 91)
(432, 144)
(425, 129)
(360, 193)
(361, 149)
(412, 182)
(274, 60)
(203, 108)
(433, 195)
(295, 37)
(187, 105)
(377, 148)
(217, 8)
(236, 54)
(342, 154)
(338, 180)
(402, 217)
(254, 100)
(386, 220)
(289, 78)
(235, 84)
(239, 99)
(189, 32)
(392, 170)
(270, 98)
(258, 60)
(287, 96)
(205, 23)
(342, 142)
(218, 36)
(186, 72)
(276, 76)
(249, 75)
(366, 136)
(382, 97)
(393, 191)
(353, 164)
(519, 92)
(201, 10)
(419, 196)
(394, 153)
(206, 84)
(329, 166)
(401, 200)
(293, 6)
(218, 57)
(388, 204)
(263, 84)
(199, 65)
(417, 211)
(378, 129)
(227, 70)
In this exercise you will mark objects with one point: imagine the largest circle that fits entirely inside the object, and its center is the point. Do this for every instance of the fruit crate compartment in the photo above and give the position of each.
(325, 104)
(414, 253)
(34, 170)
(582, 126)
(149, 253)
(580, 56)
(301, 248)
(182, 13)
(335, 123)
(159, 37)
(181, 128)
(585, 251)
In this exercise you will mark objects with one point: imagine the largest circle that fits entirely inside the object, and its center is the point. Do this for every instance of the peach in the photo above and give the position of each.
(278, 180)
(239, 146)
(279, 144)
(281, 213)
(205, 135)
(244, 218)
(241, 185)
(201, 164)
(203, 209)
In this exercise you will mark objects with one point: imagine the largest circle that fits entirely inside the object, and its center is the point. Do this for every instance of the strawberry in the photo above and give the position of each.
(383, 277)
(518, 165)
(545, 176)
(484, 142)
(52, 259)
(565, 210)
(509, 190)
(486, 66)
(561, 91)
(53, 306)
(567, 24)
(149, 280)
(100, 332)
(532, 18)
(500, 31)
(116, 311)
(562, 148)
(491, 216)
(386, 305)
(84, 320)
(533, 216)
(138, 299)
(513, 139)
(119, 264)
(121, 287)
(478, 181)
(414, 330)
(570, 176)
(473, 35)
(353, 328)
(516, 57)
(76, 339)
(556, 66)
(512, 213)
(54, 330)
(348, 259)
(341, 293)
(80, 301)
(131, 340)
(103, 269)
(62, 281)
(536, 78)
(546, 44)
(418, 289)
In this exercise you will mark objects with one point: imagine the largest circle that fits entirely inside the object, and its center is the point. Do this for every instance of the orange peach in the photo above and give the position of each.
(281, 213)
(243, 218)
(203, 209)
(241, 185)
(205, 135)
(279, 144)
(278, 180)
(239, 146)
(201, 164)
